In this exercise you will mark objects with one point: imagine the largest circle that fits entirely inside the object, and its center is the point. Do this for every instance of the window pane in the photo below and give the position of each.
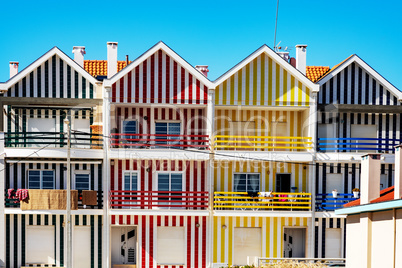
(176, 182)
(48, 179)
(253, 183)
(127, 182)
(174, 128)
(134, 182)
(163, 182)
(161, 128)
(130, 127)
(34, 179)
(82, 181)
(239, 182)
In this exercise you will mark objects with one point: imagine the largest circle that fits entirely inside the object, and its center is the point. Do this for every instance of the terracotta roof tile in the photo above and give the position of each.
(316, 72)
(385, 195)
(99, 67)
(333, 68)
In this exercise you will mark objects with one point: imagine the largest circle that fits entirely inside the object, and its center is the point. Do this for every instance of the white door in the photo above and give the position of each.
(294, 242)
(326, 131)
(383, 181)
(124, 242)
(247, 244)
(333, 240)
(82, 246)
(364, 131)
(41, 126)
(81, 125)
(334, 181)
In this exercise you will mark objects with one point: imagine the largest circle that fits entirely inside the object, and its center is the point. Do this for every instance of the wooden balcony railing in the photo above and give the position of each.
(140, 141)
(53, 139)
(357, 144)
(263, 143)
(191, 200)
(14, 203)
(328, 202)
(267, 201)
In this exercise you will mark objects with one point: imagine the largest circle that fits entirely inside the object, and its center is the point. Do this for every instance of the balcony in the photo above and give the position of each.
(326, 202)
(83, 201)
(159, 141)
(52, 140)
(262, 143)
(188, 200)
(357, 144)
(272, 201)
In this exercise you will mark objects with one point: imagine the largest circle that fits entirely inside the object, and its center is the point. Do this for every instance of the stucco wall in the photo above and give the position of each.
(354, 238)
(382, 243)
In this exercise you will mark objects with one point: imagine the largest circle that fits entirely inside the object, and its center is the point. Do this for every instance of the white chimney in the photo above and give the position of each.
(111, 59)
(301, 51)
(284, 55)
(203, 69)
(370, 178)
(79, 53)
(13, 68)
(398, 172)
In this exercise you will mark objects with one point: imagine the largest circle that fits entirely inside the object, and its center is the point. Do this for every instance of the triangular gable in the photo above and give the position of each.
(159, 76)
(53, 75)
(264, 78)
(171, 53)
(353, 81)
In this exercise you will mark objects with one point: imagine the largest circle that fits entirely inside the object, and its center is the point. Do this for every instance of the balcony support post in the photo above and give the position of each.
(210, 172)
(106, 253)
(2, 191)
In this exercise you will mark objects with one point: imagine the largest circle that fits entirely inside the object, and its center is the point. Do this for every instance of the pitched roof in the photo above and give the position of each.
(385, 195)
(99, 67)
(316, 72)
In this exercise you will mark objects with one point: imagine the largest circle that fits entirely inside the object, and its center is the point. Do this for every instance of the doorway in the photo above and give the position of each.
(124, 246)
(283, 183)
(294, 243)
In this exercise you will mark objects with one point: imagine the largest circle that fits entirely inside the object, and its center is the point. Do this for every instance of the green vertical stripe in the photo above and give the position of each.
(23, 246)
(92, 219)
(84, 86)
(15, 240)
(46, 219)
(77, 220)
(92, 177)
(84, 220)
(54, 76)
(255, 72)
(8, 253)
(30, 219)
(55, 234)
(38, 219)
(91, 91)
(76, 84)
(61, 74)
(100, 241)
(61, 241)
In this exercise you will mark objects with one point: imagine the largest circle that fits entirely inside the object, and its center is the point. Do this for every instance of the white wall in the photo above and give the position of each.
(354, 238)
(382, 236)
(398, 250)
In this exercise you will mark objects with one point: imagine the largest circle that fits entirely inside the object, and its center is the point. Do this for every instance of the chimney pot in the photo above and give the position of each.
(301, 62)
(203, 69)
(370, 178)
(13, 68)
(79, 52)
(111, 59)
(398, 172)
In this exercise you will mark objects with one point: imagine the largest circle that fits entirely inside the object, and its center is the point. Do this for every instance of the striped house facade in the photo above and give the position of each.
(159, 79)
(17, 238)
(54, 78)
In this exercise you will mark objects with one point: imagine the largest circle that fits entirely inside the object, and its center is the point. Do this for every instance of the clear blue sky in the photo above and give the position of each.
(217, 33)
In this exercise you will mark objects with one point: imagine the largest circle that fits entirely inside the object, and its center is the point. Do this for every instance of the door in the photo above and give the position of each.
(124, 245)
(243, 129)
(326, 132)
(78, 138)
(333, 240)
(294, 243)
(46, 127)
(367, 132)
(247, 245)
(279, 131)
(283, 183)
(334, 182)
(82, 246)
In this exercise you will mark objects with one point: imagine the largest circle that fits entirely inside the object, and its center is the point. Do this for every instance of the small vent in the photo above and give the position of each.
(131, 255)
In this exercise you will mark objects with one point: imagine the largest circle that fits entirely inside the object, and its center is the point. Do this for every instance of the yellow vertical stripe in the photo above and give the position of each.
(230, 244)
(224, 92)
(215, 252)
(292, 91)
(255, 71)
(247, 100)
(270, 82)
(275, 233)
(262, 84)
(285, 87)
(277, 83)
(240, 87)
(223, 238)
(232, 89)
(300, 92)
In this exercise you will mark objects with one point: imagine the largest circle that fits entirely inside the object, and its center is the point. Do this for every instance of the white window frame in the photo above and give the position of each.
(82, 172)
(183, 186)
(170, 247)
(41, 177)
(131, 172)
(247, 173)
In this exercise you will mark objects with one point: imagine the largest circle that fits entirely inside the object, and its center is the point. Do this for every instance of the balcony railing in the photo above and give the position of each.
(140, 141)
(262, 143)
(328, 202)
(14, 203)
(53, 139)
(357, 144)
(190, 200)
(268, 201)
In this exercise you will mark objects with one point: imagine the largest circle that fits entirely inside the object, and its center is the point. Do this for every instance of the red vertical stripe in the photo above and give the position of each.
(119, 174)
(203, 177)
(204, 241)
(196, 233)
(185, 124)
(150, 179)
(187, 169)
(174, 218)
(143, 244)
(190, 88)
(148, 124)
(142, 182)
(170, 114)
(159, 100)
(200, 126)
(141, 121)
(112, 177)
(156, 113)
(189, 241)
(198, 89)
(113, 219)
(144, 81)
(205, 94)
(195, 174)
(122, 90)
(183, 85)
(114, 92)
(166, 220)
(128, 217)
(181, 221)
(158, 220)
(137, 84)
(136, 219)
(175, 78)
(129, 88)
(120, 219)
(151, 241)
(125, 113)
(167, 79)
(152, 100)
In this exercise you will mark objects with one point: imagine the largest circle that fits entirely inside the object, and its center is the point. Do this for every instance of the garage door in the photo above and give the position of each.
(333, 240)
(247, 243)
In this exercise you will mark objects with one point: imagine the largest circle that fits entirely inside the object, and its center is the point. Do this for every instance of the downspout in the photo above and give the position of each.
(313, 128)
(106, 260)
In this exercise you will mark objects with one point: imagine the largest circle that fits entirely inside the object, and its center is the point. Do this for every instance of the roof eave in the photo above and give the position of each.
(370, 207)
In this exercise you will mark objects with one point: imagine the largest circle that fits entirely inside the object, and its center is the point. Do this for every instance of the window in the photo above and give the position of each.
(129, 127)
(82, 181)
(40, 244)
(246, 182)
(40, 179)
(171, 246)
(170, 182)
(130, 181)
(165, 128)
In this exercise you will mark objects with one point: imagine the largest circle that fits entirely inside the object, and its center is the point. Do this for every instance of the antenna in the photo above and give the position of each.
(276, 23)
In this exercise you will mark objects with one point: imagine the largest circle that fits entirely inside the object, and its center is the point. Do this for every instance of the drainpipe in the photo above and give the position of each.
(2, 214)
(106, 259)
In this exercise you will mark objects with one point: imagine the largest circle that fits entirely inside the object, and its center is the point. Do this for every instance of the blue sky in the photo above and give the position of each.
(216, 33)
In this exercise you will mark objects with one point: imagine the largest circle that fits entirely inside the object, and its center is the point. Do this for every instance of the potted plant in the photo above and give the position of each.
(335, 193)
(356, 192)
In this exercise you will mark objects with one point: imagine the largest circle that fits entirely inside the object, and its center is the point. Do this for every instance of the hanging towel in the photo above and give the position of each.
(10, 193)
(89, 198)
(21, 194)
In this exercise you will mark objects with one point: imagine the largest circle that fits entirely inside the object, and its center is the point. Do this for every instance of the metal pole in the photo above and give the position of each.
(69, 262)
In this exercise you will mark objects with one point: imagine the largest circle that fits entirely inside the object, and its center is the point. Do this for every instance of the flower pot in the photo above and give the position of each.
(334, 194)
(356, 194)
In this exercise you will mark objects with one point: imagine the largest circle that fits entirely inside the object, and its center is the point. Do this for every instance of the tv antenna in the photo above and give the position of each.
(276, 24)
